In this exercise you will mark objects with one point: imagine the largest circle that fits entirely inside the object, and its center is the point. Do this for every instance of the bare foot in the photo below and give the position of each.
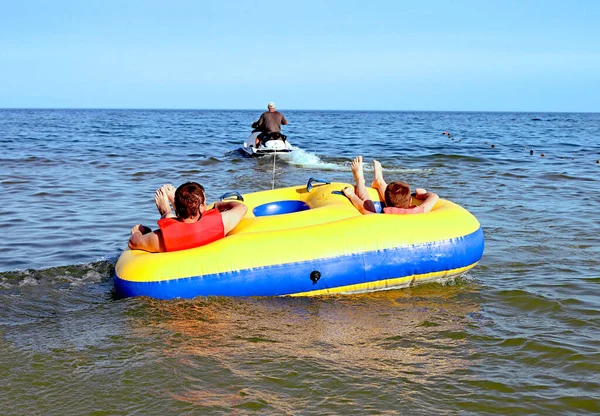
(357, 170)
(377, 173)
(170, 190)
(162, 202)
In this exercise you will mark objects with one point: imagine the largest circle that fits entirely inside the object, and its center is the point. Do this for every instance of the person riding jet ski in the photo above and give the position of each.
(269, 124)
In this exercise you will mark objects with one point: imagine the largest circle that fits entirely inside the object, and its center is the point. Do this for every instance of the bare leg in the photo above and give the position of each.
(359, 178)
(360, 197)
(364, 207)
(378, 181)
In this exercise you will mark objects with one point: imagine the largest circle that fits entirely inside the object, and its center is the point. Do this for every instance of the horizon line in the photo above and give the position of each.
(295, 109)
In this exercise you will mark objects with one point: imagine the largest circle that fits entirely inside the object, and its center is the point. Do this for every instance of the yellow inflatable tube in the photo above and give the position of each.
(310, 240)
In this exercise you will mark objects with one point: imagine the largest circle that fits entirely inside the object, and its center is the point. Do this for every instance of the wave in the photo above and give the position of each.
(457, 157)
(98, 271)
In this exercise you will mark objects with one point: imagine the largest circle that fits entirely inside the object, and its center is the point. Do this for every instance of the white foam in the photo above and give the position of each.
(303, 158)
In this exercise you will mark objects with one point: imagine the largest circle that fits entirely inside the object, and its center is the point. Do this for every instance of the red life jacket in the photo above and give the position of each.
(412, 210)
(178, 235)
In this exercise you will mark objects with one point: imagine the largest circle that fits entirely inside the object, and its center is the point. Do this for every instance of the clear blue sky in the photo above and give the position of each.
(303, 54)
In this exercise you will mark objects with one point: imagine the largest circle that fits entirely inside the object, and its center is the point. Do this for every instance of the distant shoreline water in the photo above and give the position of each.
(296, 110)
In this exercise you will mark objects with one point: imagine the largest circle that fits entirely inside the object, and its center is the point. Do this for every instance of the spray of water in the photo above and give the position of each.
(303, 158)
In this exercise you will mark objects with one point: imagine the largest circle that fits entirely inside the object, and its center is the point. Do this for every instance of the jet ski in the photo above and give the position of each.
(267, 145)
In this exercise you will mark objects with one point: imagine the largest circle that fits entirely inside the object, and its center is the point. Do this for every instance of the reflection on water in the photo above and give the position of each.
(226, 347)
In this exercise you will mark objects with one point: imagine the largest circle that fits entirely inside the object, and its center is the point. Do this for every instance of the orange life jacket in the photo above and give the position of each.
(178, 235)
(412, 210)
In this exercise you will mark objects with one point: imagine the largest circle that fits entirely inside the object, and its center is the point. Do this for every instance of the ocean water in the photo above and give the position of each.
(518, 334)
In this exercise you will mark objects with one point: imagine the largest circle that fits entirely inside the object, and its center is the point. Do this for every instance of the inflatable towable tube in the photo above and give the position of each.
(306, 241)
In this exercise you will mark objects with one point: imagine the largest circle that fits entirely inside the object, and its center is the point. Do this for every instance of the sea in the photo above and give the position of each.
(519, 334)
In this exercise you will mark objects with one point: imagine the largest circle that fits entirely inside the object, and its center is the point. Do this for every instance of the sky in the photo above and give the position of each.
(501, 55)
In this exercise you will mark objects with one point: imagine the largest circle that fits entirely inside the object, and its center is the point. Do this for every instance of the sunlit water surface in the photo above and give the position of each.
(518, 334)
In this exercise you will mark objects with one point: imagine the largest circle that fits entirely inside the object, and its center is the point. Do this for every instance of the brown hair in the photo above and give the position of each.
(397, 194)
(188, 199)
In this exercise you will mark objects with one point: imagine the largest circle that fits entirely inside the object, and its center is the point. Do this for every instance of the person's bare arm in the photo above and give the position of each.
(429, 199)
(149, 241)
(232, 213)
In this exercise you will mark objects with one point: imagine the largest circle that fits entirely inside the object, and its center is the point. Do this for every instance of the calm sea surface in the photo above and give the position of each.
(519, 334)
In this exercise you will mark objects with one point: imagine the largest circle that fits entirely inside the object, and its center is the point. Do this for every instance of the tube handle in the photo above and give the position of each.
(231, 194)
(309, 185)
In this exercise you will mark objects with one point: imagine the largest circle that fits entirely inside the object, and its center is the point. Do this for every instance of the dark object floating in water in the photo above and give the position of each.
(446, 133)
(542, 155)
(536, 119)
(531, 152)
(493, 146)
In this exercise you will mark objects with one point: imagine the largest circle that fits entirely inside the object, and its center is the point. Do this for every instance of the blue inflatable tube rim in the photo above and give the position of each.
(280, 207)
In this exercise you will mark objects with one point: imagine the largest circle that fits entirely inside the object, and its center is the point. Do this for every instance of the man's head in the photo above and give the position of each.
(189, 200)
(397, 194)
(271, 106)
